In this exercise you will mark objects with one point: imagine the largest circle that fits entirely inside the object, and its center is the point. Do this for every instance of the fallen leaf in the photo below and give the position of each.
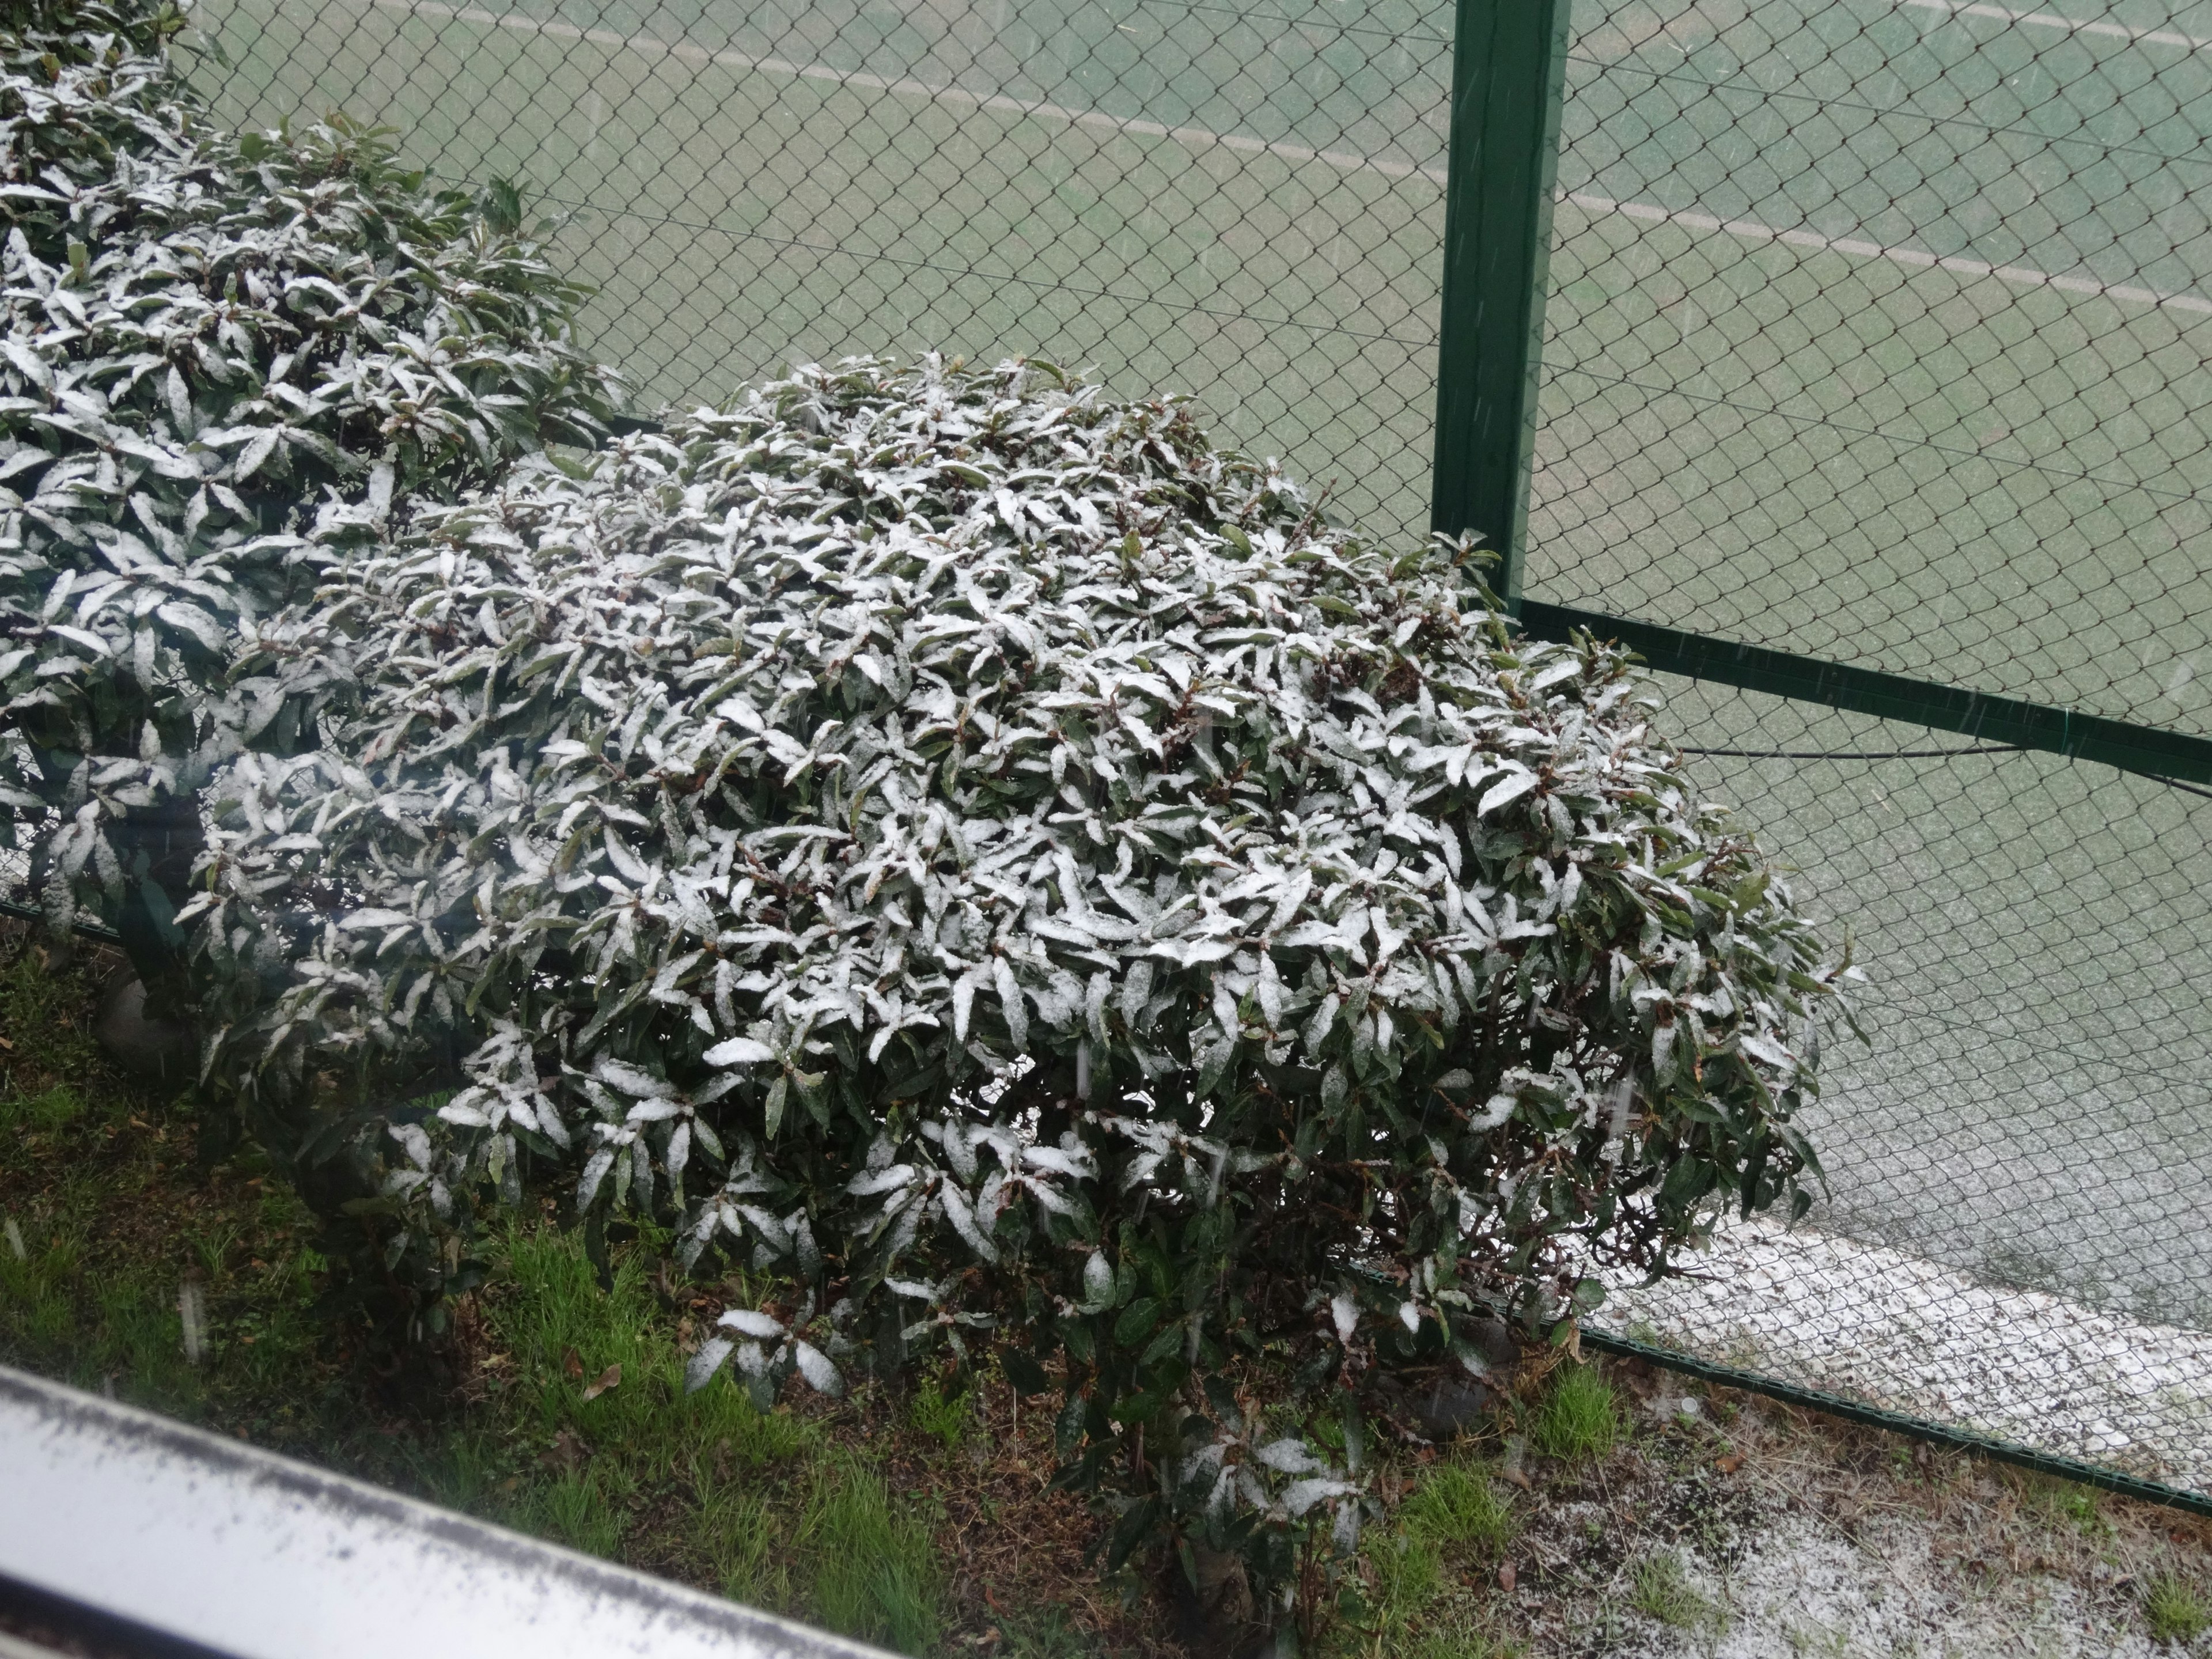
(1519, 1478)
(609, 1378)
(1505, 1577)
(572, 1362)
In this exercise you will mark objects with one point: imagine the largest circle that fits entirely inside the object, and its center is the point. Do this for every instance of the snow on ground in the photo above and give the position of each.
(1730, 1527)
(1875, 1325)
(1801, 1589)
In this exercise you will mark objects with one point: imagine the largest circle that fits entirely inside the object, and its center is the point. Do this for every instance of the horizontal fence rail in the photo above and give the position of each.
(2173, 756)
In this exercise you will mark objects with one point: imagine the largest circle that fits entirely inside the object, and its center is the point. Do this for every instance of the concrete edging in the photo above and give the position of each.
(262, 1557)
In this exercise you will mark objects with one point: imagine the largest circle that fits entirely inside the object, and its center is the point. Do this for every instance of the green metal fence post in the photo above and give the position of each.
(1508, 60)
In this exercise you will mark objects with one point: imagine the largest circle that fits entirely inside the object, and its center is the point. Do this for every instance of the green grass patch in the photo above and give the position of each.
(772, 1512)
(740, 1530)
(947, 1418)
(1043, 1635)
(875, 1572)
(45, 1113)
(1817, 1641)
(104, 1216)
(2068, 1505)
(1581, 1419)
(1460, 1634)
(1409, 1575)
(1661, 1590)
(1456, 1507)
(1416, 1602)
(2174, 1609)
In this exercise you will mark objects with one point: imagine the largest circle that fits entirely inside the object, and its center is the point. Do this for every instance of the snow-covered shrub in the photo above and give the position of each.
(966, 846)
(222, 353)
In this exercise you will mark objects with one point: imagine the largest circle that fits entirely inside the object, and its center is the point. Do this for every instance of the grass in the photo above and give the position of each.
(1456, 1507)
(49, 1111)
(741, 1534)
(1580, 1419)
(1421, 1605)
(875, 1572)
(1408, 1572)
(89, 1280)
(1661, 1590)
(1817, 1641)
(1448, 1529)
(947, 1418)
(2174, 1609)
(2068, 1504)
(767, 1507)
(1045, 1633)
(1459, 1635)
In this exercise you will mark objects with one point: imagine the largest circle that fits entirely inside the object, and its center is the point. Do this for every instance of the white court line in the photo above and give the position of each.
(1197, 137)
(1913, 258)
(1344, 160)
(2051, 20)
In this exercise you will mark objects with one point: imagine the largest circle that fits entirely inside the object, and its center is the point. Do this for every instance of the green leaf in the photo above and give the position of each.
(1755, 1168)
(1131, 1532)
(1136, 1321)
(1315, 1370)
(1165, 1341)
(1213, 1065)
(1068, 1430)
(500, 204)
(1023, 1371)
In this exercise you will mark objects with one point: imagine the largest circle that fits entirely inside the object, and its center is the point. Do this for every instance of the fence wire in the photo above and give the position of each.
(1244, 203)
(1876, 334)
(2012, 1242)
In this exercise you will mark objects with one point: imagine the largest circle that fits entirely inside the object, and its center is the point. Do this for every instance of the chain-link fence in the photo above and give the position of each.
(1876, 336)
(1243, 204)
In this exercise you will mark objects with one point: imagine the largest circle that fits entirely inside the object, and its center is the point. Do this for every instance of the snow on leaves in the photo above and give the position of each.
(955, 838)
(224, 357)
